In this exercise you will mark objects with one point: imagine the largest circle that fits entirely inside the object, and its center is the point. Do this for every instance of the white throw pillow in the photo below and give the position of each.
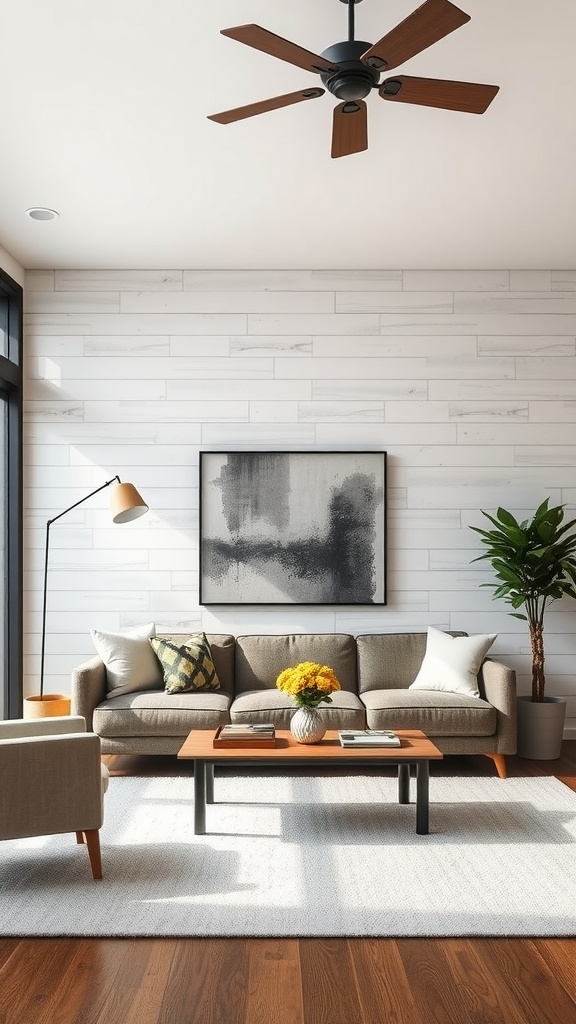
(129, 659)
(452, 663)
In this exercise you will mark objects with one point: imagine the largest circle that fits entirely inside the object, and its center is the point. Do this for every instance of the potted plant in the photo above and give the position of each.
(309, 684)
(535, 564)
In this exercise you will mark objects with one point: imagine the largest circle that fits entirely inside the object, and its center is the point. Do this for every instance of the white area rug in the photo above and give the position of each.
(306, 856)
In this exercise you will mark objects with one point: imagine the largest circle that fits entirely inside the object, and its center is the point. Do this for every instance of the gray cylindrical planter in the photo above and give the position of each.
(540, 727)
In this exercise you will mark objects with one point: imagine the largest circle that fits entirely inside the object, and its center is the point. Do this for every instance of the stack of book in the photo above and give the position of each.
(369, 738)
(245, 735)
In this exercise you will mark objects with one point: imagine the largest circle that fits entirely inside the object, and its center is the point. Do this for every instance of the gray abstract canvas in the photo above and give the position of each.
(292, 527)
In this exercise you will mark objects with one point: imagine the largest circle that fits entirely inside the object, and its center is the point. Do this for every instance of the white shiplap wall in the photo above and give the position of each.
(467, 379)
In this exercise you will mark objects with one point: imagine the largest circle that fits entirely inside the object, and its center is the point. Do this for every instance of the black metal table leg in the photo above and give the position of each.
(199, 798)
(422, 780)
(210, 783)
(403, 783)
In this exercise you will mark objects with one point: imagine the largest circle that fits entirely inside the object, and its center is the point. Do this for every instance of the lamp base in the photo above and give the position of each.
(51, 705)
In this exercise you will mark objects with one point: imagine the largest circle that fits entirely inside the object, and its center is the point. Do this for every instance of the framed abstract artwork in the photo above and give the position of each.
(293, 528)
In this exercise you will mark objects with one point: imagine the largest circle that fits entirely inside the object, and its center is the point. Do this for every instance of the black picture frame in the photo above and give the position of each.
(304, 528)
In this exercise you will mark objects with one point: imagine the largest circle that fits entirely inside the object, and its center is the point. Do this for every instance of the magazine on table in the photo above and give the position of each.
(368, 738)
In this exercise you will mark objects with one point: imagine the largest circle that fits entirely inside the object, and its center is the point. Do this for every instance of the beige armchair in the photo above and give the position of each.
(52, 780)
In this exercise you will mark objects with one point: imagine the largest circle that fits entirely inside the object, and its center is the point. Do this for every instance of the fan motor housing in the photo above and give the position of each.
(354, 79)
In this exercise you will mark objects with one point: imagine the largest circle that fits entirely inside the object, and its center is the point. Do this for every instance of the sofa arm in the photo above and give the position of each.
(88, 688)
(50, 784)
(498, 687)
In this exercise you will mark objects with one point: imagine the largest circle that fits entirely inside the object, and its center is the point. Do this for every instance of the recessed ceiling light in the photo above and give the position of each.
(42, 213)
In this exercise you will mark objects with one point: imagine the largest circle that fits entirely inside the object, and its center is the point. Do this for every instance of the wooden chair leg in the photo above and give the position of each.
(79, 837)
(500, 762)
(93, 842)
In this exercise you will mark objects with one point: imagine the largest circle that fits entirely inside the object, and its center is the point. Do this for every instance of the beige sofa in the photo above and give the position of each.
(374, 670)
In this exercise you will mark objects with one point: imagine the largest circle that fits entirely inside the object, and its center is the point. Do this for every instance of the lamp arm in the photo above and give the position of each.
(82, 500)
(48, 525)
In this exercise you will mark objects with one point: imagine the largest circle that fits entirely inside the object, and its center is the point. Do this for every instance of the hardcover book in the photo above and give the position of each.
(245, 736)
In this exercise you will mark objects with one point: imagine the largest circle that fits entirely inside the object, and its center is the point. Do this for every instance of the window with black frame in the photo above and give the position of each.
(10, 497)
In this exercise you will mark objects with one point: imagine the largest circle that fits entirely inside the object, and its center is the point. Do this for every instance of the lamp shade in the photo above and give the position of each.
(126, 503)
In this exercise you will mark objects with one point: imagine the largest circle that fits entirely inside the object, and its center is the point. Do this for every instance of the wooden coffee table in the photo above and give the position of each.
(416, 749)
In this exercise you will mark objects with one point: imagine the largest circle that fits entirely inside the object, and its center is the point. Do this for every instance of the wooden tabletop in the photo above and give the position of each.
(415, 746)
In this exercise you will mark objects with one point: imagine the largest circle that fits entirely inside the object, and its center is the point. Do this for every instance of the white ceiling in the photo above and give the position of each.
(103, 118)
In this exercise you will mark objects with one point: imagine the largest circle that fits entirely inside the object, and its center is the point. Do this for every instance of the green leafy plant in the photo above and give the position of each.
(535, 563)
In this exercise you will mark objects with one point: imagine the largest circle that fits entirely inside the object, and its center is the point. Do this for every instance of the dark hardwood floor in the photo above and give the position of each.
(294, 981)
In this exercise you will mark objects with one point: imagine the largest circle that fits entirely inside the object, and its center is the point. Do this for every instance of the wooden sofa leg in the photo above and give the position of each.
(500, 762)
(93, 842)
(79, 837)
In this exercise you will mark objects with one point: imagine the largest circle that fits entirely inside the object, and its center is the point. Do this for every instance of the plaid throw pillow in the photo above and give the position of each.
(187, 667)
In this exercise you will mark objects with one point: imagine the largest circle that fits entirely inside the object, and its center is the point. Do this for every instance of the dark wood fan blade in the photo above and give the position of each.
(436, 92)
(425, 26)
(349, 128)
(228, 116)
(276, 46)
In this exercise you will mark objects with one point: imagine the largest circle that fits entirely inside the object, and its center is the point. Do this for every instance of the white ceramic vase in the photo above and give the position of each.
(307, 725)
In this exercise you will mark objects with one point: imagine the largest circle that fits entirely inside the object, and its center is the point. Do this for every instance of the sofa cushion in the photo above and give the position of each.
(130, 663)
(452, 663)
(156, 713)
(222, 647)
(186, 666)
(436, 712)
(272, 705)
(390, 660)
(261, 658)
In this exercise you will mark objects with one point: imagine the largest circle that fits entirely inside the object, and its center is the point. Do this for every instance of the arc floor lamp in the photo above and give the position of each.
(126, 504)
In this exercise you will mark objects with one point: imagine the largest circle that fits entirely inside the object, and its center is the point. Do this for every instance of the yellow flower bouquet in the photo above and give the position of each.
(308, 683)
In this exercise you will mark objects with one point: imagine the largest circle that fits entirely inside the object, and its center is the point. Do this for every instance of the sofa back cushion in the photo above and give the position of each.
(261, 658)
(222, 649)
(391, 661)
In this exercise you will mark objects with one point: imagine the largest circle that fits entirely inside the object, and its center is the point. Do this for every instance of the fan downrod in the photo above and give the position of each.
(354, 79)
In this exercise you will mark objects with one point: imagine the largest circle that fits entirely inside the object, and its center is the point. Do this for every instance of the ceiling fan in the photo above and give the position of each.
(351, 69)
